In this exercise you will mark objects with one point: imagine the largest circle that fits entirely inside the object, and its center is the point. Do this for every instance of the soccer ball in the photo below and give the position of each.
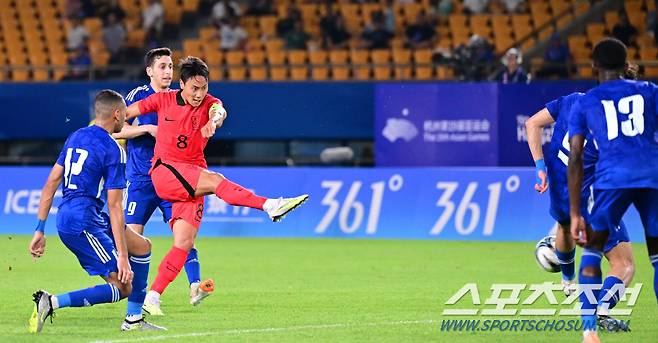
(546, 256)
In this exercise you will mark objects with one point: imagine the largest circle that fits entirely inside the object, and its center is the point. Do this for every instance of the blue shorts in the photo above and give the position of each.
(559, 210)
(95, 251)
(610, 205)
(141, 202)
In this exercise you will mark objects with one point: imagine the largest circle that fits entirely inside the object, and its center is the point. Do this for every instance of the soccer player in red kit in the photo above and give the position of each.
(187, 118)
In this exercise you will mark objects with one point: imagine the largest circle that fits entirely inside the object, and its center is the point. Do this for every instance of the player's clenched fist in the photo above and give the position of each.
(38, 244)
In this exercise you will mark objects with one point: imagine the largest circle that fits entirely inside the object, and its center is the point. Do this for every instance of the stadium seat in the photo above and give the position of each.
(382, 73)
(207, 33)
(338, 56)
(595, 30)
(172, 12)
(403, 72)
(320, 73)
(423, 73)
(564, 21)
(214, 58)
(444, 73)
(582, 7)
(648, 53)
(401, 56)
(278, 73)
(367, 9)
(254, 44)
(274, 44)
(318, 57)
(193, 47)
(632, 6)
(340, 73)
(380, 57)
(94, 26)
(299, 73)
(255, 58)
(190, 5)
(423, 56)
(411, 11)
(361, 73)
(258, 73)
(276, 58)
(135, 38)
(585, 72)
(611, 19)
(645, 41)
(234, 58)
(268, 25)
(297, 58)
(237, 73)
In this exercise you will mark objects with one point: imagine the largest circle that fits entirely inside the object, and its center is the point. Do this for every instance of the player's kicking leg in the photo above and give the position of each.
(236, 195)
(565, 249)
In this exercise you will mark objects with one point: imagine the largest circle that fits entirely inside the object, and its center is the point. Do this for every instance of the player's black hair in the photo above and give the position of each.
(153, 54)
(191, 66)
(610, 54)
(107, 101)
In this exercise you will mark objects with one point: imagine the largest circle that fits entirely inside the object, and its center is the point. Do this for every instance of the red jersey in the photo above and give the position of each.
(179, 136)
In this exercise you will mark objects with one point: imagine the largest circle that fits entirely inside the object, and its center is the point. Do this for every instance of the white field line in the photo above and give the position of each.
(266, 330)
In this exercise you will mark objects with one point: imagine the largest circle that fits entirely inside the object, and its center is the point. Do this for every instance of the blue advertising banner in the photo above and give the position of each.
(517, 103)
(436, 124)
(491, 204)
(289, 110)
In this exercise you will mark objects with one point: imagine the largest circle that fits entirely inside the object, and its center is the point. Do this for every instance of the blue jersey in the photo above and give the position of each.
(557, 159)
(140, 149)
(621, 117)
(93, 163)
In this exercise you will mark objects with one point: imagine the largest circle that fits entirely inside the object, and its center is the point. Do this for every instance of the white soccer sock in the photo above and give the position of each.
(54, 301)
(153, 295)
(133, 317)
(269, 204)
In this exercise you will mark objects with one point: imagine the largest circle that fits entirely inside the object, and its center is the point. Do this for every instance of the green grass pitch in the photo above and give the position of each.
(320, 290)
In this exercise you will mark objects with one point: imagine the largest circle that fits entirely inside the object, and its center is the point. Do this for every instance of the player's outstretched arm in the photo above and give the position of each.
(38, 244)
(131, 131)
(534, 126)
(575, 177)
(133, 110)
(115, 208)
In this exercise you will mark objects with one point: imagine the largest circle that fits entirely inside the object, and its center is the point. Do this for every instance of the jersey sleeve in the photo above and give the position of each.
(553, 107)
(130, 99)
(114, 172)
(577, 120)
(151, 103)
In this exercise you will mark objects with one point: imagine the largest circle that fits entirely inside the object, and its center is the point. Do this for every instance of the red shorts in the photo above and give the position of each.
(176, 182)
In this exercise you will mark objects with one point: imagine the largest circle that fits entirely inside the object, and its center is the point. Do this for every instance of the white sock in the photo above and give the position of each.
(194, 285)
(54, 301)
(133, 317)
(269, 204)
(153, 295)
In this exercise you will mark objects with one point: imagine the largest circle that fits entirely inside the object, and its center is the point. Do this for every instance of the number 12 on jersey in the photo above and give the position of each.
(73, 168)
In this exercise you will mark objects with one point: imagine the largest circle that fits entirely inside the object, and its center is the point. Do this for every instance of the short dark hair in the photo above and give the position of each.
(153, 54)
(610, 54)
(106, 102)
(191, 66)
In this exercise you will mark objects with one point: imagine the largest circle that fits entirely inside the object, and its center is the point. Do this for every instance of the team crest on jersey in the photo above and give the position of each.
(195, 122)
